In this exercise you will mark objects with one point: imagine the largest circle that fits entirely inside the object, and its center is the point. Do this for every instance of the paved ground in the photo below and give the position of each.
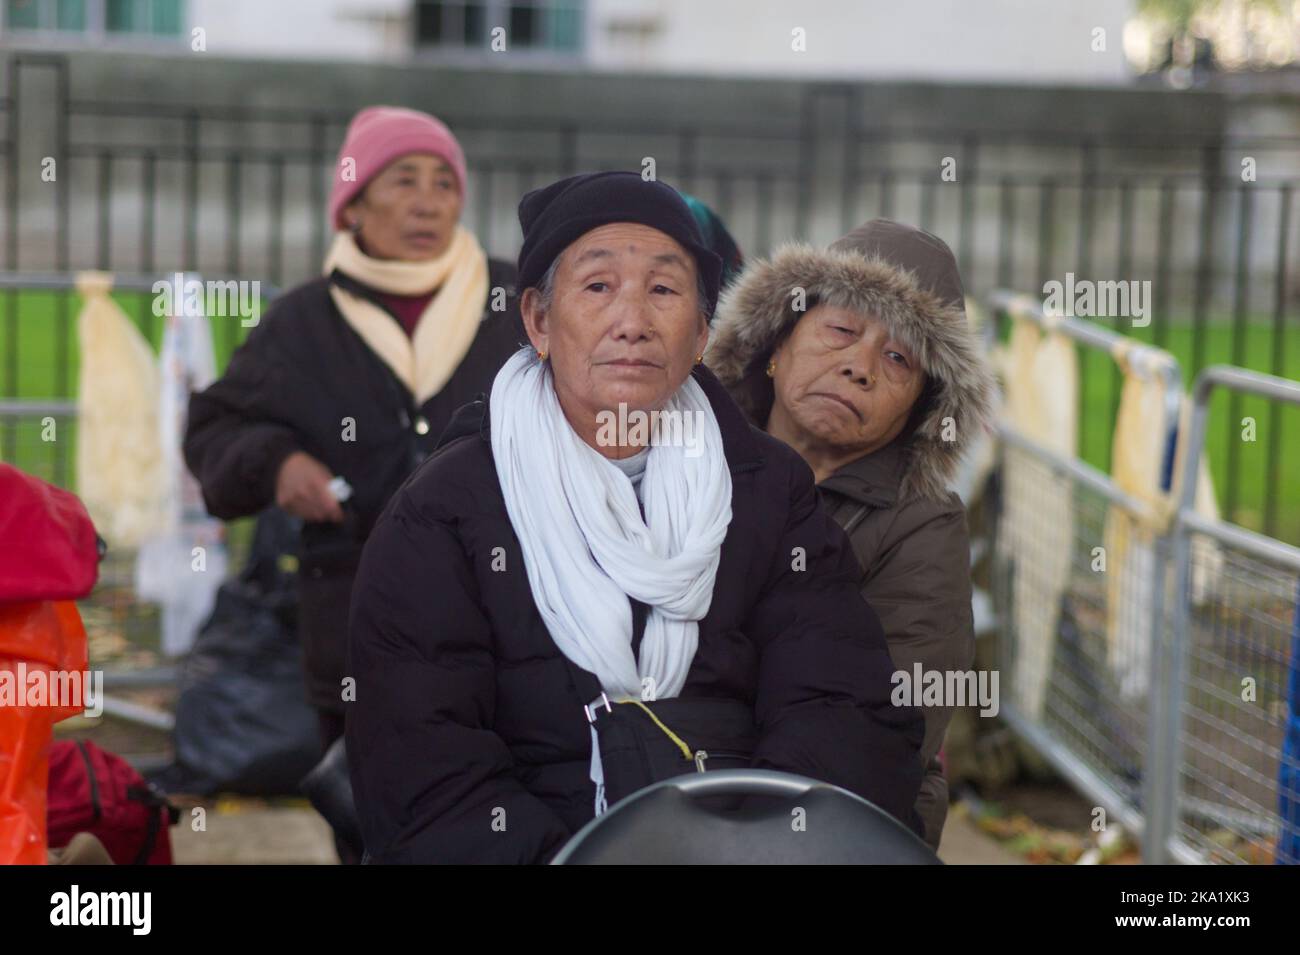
(256, 836)
(291, 835)
(963, 844)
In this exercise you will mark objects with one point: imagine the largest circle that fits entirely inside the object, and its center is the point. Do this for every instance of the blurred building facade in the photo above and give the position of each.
(999, 124)
(1056, 41)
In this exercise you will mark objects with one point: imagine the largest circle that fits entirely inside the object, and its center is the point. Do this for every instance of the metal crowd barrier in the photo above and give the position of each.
(1226, 660)
(1059, 688)
(1168, 744)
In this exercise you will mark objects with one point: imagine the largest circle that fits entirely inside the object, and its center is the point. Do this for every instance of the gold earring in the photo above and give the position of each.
(541, 356)
(771, 368)
(699, 359)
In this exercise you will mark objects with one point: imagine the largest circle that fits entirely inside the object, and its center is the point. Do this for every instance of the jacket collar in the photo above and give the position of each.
(872, 479)
(738, 443)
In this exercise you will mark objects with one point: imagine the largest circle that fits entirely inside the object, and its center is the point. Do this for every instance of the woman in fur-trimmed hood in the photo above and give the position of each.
(860, 357)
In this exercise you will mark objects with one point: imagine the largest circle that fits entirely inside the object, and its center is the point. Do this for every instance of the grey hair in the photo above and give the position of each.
(546, 289)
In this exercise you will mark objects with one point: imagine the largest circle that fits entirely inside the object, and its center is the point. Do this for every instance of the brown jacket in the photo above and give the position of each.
(907, 528)
(915, 557)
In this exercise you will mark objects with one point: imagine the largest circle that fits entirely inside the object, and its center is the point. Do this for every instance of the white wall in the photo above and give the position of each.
(311, 29)
(990, 40)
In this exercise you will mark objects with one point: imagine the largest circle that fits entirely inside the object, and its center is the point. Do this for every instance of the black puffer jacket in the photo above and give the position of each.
(468, 741)
(288, 388)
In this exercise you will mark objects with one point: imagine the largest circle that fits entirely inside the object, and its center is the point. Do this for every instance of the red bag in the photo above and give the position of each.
(48, 546)
(98, 792)
(49, 555)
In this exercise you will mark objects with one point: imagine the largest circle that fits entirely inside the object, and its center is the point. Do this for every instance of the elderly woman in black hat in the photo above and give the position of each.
(860, 357)
(554, 611)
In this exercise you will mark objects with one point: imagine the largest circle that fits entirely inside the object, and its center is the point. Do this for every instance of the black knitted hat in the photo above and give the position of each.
(555, 216)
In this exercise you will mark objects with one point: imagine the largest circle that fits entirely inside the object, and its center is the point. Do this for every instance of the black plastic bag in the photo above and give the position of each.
(243, 724)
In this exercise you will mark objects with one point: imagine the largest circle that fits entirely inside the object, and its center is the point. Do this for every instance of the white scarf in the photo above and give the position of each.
(585, 545)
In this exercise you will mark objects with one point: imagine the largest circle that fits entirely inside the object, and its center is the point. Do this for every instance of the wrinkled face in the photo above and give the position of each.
(624, 323)
(409, 210)
(842, 381)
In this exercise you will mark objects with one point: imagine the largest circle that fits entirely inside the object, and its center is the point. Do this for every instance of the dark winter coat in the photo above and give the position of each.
(468, 741)
(908, 530)
(289, 387)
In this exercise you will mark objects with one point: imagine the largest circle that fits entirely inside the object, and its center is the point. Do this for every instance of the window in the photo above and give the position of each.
(156, 17)
(523, 25)
(553, 26)
(96, 18)
(70, 15)
(22, 15)
(123, 15)
(451, 24)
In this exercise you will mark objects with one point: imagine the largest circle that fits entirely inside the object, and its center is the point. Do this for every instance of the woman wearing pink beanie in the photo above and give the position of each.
(355, 374)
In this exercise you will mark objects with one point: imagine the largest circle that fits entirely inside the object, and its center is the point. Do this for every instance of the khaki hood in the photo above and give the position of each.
(906, 277)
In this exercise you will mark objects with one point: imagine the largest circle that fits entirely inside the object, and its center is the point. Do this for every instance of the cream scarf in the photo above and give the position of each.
(427, 359)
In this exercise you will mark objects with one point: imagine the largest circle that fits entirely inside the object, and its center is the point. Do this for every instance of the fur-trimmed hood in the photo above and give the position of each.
(906, 277)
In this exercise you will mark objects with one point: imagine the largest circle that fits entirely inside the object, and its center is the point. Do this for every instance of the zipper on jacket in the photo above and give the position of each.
(856, 519)
(410, 413)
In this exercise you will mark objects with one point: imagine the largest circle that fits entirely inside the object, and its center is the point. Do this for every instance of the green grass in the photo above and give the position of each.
(45, 327)
(40, 359)
(1241, 469)
(40, 329)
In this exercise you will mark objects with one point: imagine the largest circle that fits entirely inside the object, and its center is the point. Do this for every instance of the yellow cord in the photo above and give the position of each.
(686, 750)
